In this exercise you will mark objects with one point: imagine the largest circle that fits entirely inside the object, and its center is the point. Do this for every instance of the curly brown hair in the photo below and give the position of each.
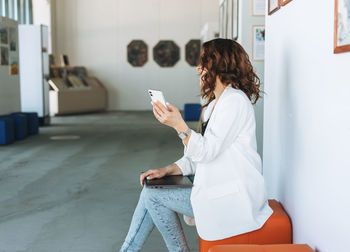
(228, 60)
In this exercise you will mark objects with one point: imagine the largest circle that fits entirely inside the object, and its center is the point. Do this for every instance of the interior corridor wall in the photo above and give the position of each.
(95, 34)
(245, 37)
(307, 123)
(42, 16)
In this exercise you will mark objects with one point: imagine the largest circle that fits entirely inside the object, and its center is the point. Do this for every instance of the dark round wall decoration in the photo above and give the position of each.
(193, 48)
(137, 53)
(166, 53)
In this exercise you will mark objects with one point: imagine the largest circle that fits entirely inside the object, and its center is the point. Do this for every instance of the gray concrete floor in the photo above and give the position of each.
(79, 195)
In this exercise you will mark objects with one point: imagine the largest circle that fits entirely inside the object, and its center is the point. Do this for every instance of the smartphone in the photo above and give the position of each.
(157, 95)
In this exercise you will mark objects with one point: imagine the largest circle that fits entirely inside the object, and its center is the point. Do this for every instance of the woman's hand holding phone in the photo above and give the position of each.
(170, 117)
(166, 113)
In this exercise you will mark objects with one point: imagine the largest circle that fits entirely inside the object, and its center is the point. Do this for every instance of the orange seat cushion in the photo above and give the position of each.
(262, 248)
(276, 230)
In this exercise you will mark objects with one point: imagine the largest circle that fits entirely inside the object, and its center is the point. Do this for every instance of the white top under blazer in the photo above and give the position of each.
(229, 194)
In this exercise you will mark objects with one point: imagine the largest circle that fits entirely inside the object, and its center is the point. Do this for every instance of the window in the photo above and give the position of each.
(20, 10)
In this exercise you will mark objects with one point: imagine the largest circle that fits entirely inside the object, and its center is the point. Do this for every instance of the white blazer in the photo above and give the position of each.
(229, 195)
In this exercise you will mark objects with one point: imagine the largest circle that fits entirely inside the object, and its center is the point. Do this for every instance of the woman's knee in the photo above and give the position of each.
(150, 195)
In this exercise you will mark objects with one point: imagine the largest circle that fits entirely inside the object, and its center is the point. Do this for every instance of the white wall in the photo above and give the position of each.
(10, 99)
(246, 22)
(96, 34)
(42, 16)
(307, 123)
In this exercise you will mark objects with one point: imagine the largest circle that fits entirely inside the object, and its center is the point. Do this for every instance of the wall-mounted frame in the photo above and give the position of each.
(223, 18)
(258, 42)
(13, 65)
(234, 19)
(192, 51)
(258, 8)
(342, 26)
(4, 35)
(284, 2)
(137, 53)
(13, 38)
(273, 6)
(166, 53)
(4, 58)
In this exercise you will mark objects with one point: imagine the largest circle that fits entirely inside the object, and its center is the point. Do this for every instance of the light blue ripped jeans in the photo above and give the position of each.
(159, 207)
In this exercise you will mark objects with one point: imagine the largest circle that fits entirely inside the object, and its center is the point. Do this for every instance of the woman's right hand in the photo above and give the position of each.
(152, 174)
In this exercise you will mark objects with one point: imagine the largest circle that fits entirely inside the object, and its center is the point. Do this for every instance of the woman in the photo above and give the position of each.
(228, 197)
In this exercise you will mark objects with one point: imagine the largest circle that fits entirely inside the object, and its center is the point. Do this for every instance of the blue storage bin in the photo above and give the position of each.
(21, 125)
(192, 111)
(33, 122)
(7, 130)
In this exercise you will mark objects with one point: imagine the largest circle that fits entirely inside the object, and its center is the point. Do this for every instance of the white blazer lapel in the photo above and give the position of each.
(213, 113)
